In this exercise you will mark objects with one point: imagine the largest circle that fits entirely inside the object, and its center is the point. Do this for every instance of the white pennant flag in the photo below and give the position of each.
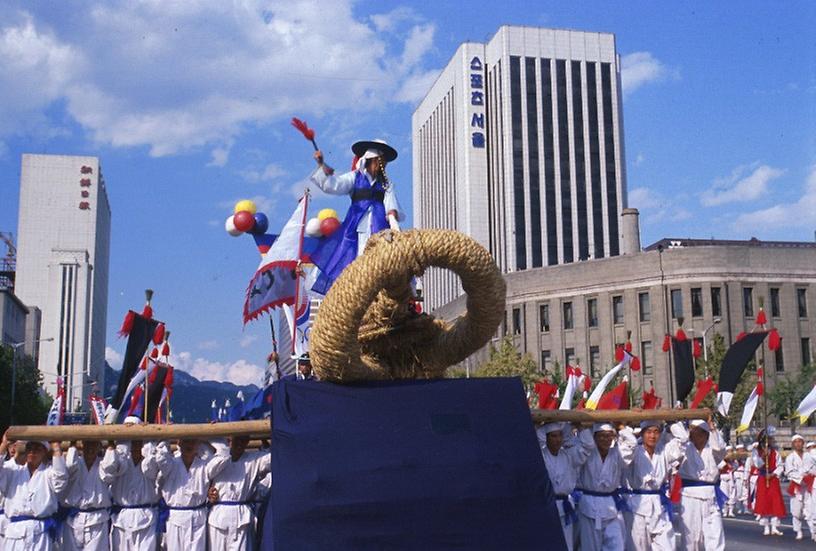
(807, 407)
(750, 408)
(595, 397)
(573, 380)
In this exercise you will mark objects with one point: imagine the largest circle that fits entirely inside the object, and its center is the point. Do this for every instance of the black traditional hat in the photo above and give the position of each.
(385, 151)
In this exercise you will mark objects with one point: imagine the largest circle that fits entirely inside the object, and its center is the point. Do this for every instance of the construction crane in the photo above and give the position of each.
(8, 264)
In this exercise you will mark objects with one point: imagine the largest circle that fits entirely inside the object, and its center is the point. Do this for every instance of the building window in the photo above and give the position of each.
(580, 175)
(716, 302)
(780, 360)
(594, 362)
(801, 302)
(544, 317)
(775, 309)
(677, 303)
(806, 357)
(546, 361)
(644, 307)
(617, 310)
(569, 356)
(748, 302)
(611, 169)
(568, 315)
(548, 135)
(517, 321)
(595, 160)
(696, 302)
(592, 312)
(518, 163)
(646, 360)
(532, 160)
(564, 156)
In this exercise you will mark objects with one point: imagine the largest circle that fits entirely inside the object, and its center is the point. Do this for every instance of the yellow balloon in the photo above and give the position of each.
(326, 213)
(247, 205)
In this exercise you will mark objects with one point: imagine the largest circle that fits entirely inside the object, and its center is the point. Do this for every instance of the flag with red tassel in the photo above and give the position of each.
(774, 340)
(158, 334)
(698, 349)
(618, 353)
(704, 387)
(127, 324)
(666, 343)
(154, 354)
(617, 398)
(165, 349)
(628, 346)
(680, 336)
(761, 318)
(634, 364)
(546, 394)
(650, 399)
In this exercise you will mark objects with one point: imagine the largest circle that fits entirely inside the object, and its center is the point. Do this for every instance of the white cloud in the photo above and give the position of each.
(113, 358)
(639, 159)
(741, 185)
(194, 74)
(240, 372)
(247, 340)
(800, 214)
(208, 345)
(639, 68)
(655, 208)
(270, 172)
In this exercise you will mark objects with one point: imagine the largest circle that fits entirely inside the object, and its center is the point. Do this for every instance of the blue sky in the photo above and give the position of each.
(187, 105)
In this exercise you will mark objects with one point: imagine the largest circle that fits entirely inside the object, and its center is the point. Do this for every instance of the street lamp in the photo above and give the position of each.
(14, 347)
(705, 347)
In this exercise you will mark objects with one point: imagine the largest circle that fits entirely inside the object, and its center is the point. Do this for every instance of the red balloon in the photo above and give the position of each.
(243, 220)
(328, 226)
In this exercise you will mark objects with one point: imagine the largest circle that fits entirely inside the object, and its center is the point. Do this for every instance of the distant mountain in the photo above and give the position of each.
(191, 398)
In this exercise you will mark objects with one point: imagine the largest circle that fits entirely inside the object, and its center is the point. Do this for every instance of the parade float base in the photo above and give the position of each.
(442, 464)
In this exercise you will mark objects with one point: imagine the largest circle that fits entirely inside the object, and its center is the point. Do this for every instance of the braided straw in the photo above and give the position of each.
(366, 328)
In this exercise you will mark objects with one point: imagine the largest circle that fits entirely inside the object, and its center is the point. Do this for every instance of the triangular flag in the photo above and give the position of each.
(595, 397)
(750, 408)
(617, 398)
(733, 365)
(806, 407)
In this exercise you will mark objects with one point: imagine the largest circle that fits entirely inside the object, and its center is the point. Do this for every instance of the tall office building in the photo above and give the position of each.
(63, 250)
(519, 143)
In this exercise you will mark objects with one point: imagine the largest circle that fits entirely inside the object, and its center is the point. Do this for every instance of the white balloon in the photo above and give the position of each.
(313, 228)
(229, 225)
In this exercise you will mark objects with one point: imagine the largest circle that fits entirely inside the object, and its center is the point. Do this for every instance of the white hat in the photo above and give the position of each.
(600, 427)
(552, 427)
(729, 447)
(810, 444)
(740, 446)
(797, 437)
(700, 424)
(645, 424)
(132, 420)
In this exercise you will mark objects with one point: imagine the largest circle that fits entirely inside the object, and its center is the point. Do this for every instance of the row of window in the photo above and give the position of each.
(596, 370)
(645, 308)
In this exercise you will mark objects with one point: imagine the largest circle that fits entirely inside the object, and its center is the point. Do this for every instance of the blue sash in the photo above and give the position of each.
(718, 493)
(569, 510)
(620, 502)
(51, 525)
(164, 513)
(663, 492)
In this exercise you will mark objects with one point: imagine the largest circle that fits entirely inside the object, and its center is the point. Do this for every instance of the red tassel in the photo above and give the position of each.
(304, 129)
(740, 336)
(698, 349)
(158, 334)
(680, 335)
(144, 363)
(618, 353)
(666, 343)
(127, 324)
(761, 319)
(628, 346)
(165, 349)
(774, 340)
(587, 383)
(576, 371)
(147, 312)
(154, 353)
(760, 372)
(635, 365)
(760, 389)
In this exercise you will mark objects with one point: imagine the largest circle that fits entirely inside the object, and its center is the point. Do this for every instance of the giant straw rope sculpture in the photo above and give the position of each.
(366, 328)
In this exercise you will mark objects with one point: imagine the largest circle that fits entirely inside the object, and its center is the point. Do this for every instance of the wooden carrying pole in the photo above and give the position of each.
(261, 428)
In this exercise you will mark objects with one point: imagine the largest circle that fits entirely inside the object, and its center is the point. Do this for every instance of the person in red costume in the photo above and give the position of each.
(769, 503)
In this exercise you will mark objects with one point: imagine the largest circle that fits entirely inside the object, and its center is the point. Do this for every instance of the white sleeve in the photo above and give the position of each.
(391, 203)
(333, 184)
(627, 442)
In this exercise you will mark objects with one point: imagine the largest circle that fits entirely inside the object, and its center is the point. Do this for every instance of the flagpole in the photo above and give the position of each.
(667, 321)
(764, 403)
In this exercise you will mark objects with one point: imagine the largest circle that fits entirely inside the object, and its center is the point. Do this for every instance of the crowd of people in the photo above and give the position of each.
(138, 496)
(636, 489)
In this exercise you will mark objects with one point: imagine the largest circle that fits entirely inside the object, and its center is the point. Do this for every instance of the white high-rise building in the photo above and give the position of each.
(63, 251)
(519, 143)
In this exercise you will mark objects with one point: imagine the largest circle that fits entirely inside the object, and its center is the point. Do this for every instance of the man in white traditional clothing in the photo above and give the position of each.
(648, 476)
(727, 481)
(131, 470)
(564, 460)
(231, 514)
(701, 520)
(752, 473)
(31, 496)
(600, 522)
(796, 469)
(16, 460)
(740, 494)
(184, 481)
(87, 499)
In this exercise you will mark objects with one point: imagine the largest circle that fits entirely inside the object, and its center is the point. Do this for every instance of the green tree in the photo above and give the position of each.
(716, 353)
(789, 391)
(31, 403)
(506, 361)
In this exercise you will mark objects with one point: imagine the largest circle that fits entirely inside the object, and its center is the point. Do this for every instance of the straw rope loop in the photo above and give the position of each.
(366, 330)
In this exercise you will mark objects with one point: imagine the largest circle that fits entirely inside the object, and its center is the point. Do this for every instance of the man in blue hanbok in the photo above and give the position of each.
(374, 207)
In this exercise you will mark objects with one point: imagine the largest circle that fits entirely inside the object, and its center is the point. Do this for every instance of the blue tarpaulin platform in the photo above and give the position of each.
(445, 464)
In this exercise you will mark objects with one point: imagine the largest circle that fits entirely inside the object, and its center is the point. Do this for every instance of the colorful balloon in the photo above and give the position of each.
(329, 225)
(229, 225)
(245, 205)
(326, 213)
(313, 228)
(261, 223)
(243, 220)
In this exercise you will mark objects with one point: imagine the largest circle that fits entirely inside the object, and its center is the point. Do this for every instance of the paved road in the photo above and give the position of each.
(745, 534)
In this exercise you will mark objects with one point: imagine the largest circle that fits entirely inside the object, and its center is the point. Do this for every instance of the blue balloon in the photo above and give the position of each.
(261, 224)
